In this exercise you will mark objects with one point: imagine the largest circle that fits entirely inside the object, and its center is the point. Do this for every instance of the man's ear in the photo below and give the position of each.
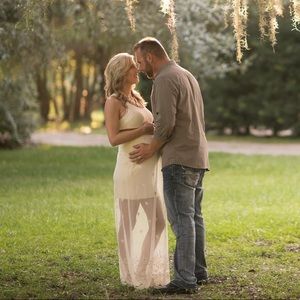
(149, 58)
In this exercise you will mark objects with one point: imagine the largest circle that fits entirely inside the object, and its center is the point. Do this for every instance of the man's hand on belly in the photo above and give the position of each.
(144, 151)
(141, 153)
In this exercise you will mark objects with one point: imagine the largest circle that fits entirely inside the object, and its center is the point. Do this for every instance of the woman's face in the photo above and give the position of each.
(132, 75)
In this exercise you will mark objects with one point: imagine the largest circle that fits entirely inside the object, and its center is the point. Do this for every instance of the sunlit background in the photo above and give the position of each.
(53, 54)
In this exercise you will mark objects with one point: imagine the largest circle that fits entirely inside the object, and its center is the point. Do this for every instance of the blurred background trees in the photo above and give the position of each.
(53, 54)
(264, 93)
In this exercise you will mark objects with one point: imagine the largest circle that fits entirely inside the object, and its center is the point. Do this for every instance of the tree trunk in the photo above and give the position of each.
(276, 129)
(43, 93)
(101, 62)
(66, 105)
(79, 87)
(54, 93)
(102, 83)
(72, 100)
(91, 92)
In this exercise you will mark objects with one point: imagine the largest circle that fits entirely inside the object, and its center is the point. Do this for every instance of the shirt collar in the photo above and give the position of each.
(169, 63)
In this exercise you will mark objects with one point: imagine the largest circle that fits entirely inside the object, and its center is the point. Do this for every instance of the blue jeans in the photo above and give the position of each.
(183, 197)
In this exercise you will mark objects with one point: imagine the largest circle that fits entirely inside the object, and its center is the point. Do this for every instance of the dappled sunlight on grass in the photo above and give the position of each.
(58, 236)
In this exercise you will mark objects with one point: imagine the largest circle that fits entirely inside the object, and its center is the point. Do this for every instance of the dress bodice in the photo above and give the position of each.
(135, 116)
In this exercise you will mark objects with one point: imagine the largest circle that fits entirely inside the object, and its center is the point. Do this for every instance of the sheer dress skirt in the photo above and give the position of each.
(140, 221)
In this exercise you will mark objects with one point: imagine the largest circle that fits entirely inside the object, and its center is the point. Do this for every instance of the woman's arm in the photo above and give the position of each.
(112, 122)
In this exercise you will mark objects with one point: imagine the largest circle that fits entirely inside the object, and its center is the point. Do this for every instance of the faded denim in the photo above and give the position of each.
(183, 197)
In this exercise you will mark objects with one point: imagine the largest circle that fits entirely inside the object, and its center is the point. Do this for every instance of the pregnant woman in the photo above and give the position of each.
(139, 206)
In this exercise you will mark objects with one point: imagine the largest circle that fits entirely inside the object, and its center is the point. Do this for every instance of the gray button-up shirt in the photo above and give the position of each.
(179, 117)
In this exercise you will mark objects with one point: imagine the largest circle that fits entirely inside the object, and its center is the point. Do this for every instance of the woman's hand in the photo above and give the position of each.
(148, 128)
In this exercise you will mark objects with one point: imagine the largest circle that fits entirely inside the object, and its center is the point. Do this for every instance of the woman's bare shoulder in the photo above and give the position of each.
(113, 101)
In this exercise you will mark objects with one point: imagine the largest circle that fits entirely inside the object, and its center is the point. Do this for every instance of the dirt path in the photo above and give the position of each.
(84, 140)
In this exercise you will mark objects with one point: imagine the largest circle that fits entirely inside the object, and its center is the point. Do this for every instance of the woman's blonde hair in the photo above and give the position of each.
(115, 73)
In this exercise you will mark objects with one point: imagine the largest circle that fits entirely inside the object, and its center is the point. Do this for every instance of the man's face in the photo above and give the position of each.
(143, 63)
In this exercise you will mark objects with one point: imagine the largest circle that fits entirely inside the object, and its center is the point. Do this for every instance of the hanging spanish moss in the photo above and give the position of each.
(235, 11)
(295, 10)
(240, 18)
(269, 10)
(130, 12)
(226, 13)
(263, 23)
(168, 8)
(275, 7)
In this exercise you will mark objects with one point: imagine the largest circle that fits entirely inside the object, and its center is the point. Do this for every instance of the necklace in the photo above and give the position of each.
(133, 101)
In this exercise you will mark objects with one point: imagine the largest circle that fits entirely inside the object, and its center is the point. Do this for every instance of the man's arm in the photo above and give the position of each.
(165, 94)
(165, 97)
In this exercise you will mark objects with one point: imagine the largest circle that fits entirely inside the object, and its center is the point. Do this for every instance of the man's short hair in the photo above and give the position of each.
(151, 45)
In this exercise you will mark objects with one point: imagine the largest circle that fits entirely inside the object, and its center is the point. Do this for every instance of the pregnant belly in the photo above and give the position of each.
(128, 147)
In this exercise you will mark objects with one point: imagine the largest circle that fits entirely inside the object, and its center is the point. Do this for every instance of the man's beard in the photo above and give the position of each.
(149, 71)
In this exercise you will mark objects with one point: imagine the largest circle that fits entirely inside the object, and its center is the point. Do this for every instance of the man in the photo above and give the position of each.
(179, 131)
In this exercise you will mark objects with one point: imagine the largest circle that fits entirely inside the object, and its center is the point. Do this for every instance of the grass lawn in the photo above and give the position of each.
(57, 234)
(254, 139)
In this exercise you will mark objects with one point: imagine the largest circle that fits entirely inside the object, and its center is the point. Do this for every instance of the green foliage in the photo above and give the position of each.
(62, 47)
(58, 238)
(25, 40)
(205, 45)
(24, 45)
(265, 93)
(17, 113)
(65, 46)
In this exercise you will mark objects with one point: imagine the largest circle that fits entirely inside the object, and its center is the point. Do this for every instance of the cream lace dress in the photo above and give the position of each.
(140, 212)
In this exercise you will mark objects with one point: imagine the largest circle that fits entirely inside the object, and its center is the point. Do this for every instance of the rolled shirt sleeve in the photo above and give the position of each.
(164, 103)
